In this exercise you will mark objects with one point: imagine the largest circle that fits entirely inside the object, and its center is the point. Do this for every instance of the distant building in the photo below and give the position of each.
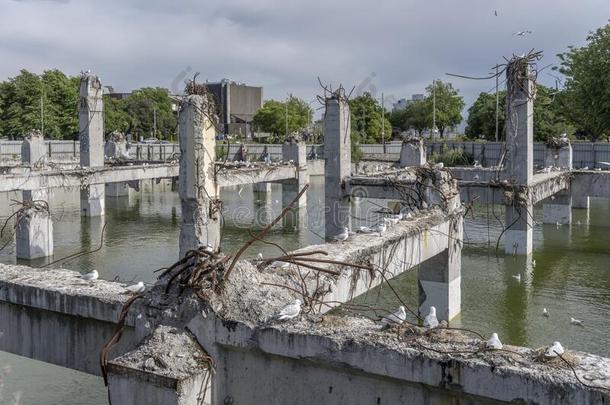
(403, 102)
(237, 103)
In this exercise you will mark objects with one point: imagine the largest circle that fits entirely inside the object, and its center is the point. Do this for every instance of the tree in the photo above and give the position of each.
(116, 117)
(587, 91)
(27, 99)
(142, 106)
(549, 119)
(448, 106)
(366, 119)
(275, 115)
(414, 116)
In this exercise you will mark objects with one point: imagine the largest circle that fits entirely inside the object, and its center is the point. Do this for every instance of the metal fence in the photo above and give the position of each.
(585, 154)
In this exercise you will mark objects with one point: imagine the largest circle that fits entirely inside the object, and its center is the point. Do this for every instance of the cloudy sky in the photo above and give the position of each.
(394, 46)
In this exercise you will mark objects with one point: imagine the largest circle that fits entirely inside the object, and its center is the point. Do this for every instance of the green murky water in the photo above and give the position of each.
(571, 276)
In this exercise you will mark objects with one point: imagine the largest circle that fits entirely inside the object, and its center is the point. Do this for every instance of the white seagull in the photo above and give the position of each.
(554, 350)
(430, 321)
(439, 165)
(136, 288)
(396, 317)
(342, 236)
(576, 322)
(534, 263)
(91, 276)
(260, 256)
(290, 311)
(494, 342)
(545, 312)
(381, 228)
(517, 277)
(366, 229)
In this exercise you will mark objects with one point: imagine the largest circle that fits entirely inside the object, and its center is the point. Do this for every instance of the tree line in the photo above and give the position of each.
(49, 102)
(579, 106)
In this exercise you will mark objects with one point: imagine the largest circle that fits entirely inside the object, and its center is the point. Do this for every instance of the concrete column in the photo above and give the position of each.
(198, 190)
(439, 278)
(91, 124)
(33, 148)
(580, 193)
(338, 162)
(518, 237)
(116, 146)
(295, 151)
(261, 188)
(558, 208)
(412, 153)
(519, 122)
(34, 231)
(560, 156)
(92, 200)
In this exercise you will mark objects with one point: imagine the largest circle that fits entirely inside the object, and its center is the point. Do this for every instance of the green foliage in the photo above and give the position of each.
(448, 106)
(413, 116)
(274, 115)
(366, 119)
(356, 151)
(20, 104)
(587, 90)
(549, 119)
(141, 107)
(452, 157)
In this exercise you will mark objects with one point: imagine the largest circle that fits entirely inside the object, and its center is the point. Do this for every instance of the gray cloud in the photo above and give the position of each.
(285, 46)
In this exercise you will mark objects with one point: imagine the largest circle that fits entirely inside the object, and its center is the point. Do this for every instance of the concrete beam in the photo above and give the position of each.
(558, 208)
(56, 317)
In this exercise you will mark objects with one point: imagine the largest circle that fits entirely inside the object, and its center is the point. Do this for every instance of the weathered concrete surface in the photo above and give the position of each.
(348, 360)
(33, 180)
(33, 149)
(402, 247)
(91, 121)
(257, 173)
(198, 189)
(558, 156)
(54, 316)
(93, 200)
(164, 369)
(412, 153)
(557, 209)
(34, 229)
(295, 152)
(338, 163)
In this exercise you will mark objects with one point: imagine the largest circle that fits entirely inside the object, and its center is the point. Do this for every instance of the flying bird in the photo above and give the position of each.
(554, 350)
(494, 342)
(576, 322)
(396, 317)
(430, 321)
(137, 288)
(517, 277)
(290, 311)
(342, 236)
(522, 33)
(91, 276)
(496, 13)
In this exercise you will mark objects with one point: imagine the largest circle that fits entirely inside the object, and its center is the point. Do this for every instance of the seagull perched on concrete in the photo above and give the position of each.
(137, 288)
(494, 342)
(430, 321)
(391, 220)
(438, 165)
(342, 236)
(91, 276)
(396, 317)
(290, 311)
(576, 322)
(366, 229)
(545, 312)
(381, 228)
(554, 350)
(260, 256)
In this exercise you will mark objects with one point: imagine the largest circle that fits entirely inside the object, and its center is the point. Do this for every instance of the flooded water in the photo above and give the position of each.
(571, 276)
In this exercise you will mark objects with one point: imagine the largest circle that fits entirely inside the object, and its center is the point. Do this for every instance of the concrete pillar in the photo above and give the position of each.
(518, 237)
(439, 278)
(412, 152)
(559, 154)
(92, 202)
(519, 122)
(34, 231)
(295, 151)
(558, 208)
(338, 162)
(91, 124)
(580, 193)
(116, 146)
(33, 148)
(198, 190)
